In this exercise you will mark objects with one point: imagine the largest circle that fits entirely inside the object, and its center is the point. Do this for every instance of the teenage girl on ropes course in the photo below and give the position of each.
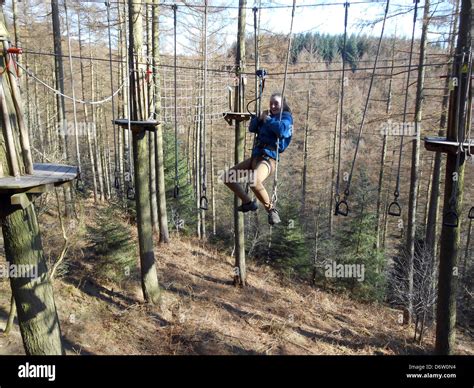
(274, 127)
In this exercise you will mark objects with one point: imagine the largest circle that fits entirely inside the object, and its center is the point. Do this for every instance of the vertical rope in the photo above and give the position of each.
(397, 188)
(364, 115)
(346, 15)
(290, 40)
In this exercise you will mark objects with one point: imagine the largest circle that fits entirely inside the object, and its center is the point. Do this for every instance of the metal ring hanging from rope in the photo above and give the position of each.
(471, 213)
(131, 193)
(337, 198)
(394, 208)
(116, 181)
(204, 203)
(80, 185)
(364, 115)
(342, 208)
(451, 219)
(176, 192)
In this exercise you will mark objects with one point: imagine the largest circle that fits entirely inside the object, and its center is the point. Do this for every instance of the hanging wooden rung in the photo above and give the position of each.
(237, 116)
(137, 125)
(441, 144)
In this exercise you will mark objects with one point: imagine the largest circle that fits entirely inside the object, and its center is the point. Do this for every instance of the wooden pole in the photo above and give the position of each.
(305, 155)
(240, 275)
(415, 164)
(32, 290)
(450, 237)
(24, 136)
(150, 287)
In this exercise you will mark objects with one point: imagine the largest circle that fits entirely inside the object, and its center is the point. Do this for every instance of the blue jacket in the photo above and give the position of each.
(269, 131)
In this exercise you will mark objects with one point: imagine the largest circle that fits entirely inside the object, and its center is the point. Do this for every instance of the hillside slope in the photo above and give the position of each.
(202, 313)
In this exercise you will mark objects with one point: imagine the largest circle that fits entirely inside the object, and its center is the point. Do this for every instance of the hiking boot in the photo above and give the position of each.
(273, 217)
(247, 207)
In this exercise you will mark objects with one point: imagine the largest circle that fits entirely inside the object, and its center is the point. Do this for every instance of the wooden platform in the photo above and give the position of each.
(441, 144)
(45, 177)
(237, 116)
(137, 126)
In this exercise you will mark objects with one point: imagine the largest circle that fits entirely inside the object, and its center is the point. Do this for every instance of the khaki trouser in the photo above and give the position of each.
(257, 170)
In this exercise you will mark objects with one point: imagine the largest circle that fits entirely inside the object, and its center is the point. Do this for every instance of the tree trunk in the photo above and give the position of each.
(37, 316)
(73, 92)
(213, 192)
(379, 191)
(305, 156)
(333, 171)
(86, 113)
(316, 250)
(59, 69)
(152, 135)
(240, 275)
(39, 122)
(415, 166)
(96, 135)
(11, 316)
(203, 199)
(197, 169)
(383, 157)
(450, 237)
(432, 222)
(150, 287)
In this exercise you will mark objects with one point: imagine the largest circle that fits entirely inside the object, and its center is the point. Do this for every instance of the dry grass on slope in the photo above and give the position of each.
(203, 313)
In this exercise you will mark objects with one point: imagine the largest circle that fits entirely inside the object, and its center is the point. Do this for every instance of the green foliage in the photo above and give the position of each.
(116, 251)
(329, 47)
(289, 250)
(182, 211)
(355, 244)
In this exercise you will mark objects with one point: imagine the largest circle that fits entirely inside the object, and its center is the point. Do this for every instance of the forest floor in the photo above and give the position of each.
(202, 313)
